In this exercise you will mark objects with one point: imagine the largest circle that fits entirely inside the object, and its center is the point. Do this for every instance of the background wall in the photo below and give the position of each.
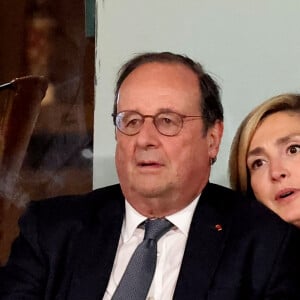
(250, 47)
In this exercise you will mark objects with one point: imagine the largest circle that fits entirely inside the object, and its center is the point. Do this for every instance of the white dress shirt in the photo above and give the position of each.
(170, 249)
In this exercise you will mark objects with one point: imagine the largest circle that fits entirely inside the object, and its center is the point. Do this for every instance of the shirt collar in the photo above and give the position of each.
(181, 219)
(131, 221)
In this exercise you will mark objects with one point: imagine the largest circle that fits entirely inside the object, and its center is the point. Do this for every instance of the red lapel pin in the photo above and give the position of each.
(218, 227)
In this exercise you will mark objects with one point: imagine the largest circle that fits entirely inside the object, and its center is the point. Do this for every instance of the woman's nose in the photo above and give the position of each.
(278, 171)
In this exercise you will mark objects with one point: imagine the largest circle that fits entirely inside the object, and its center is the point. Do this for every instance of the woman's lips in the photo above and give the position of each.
(283, 194)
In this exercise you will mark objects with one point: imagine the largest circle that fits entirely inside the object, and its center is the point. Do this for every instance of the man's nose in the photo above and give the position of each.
(148, 134)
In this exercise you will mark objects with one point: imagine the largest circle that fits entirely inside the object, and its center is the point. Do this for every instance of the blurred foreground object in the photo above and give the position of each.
(20, 103)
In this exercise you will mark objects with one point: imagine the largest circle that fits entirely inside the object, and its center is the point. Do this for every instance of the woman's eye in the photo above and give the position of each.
(256, 164)
(293, 149)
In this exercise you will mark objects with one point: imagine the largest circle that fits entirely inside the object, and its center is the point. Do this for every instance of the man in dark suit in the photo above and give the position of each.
(169, 124)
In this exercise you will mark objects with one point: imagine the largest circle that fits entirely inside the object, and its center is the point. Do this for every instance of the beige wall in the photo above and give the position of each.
(250, 47)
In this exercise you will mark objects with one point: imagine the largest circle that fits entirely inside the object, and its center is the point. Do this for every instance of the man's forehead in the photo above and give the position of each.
(161, 75)
(153, 68)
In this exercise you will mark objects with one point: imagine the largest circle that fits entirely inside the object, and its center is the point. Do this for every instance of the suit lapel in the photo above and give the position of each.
(95, 250)
(208, 232)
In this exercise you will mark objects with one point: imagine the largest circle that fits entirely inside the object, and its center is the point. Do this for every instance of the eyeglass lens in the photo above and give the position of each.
(167, 123)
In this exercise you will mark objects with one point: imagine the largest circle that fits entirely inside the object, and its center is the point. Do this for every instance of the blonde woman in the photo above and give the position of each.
(265, 156)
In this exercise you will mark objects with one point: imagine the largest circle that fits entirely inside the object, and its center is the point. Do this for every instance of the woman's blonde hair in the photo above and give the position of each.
(238, 172)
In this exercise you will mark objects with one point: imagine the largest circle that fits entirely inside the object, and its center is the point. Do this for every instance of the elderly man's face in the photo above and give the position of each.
(166, 172)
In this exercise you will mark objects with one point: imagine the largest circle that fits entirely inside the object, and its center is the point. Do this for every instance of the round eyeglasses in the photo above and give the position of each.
(167, 123)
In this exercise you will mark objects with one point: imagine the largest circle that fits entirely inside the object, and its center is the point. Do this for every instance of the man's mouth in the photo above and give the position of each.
(148, 164)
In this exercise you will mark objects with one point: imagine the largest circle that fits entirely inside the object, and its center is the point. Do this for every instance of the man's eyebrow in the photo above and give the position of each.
(167, 110)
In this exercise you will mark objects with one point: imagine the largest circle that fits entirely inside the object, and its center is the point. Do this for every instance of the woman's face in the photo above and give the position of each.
(273, 161)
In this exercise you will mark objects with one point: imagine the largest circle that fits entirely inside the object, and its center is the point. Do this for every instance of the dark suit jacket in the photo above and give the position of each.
(67, 245)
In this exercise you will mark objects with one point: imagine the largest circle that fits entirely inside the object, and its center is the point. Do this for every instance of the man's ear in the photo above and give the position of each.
(214, 137)
(115, 133)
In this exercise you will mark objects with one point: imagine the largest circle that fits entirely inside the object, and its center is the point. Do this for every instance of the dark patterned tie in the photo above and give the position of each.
(137, 278)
